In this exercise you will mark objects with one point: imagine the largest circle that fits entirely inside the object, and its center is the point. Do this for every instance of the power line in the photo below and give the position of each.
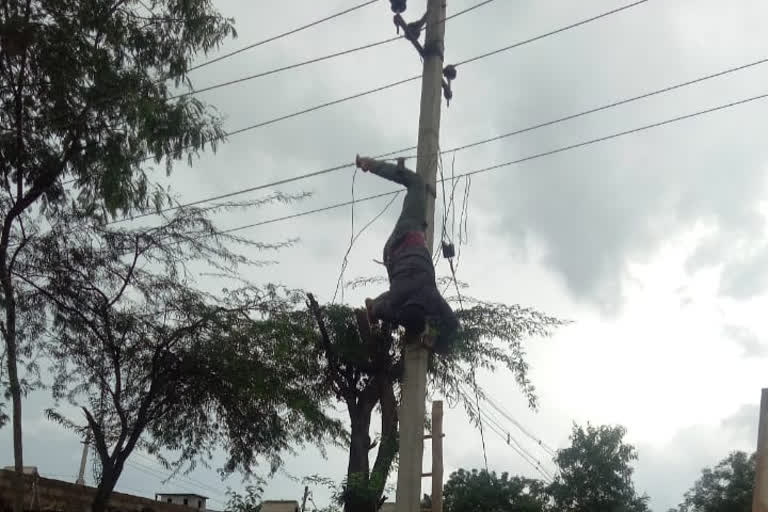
(504, 164)
(316, 59)
(394, 84)
(286, 68)
(548, 34)
(284, 34)
(499, 430)
(511, 162)
(505, 436)
(496, 138)
(355, 236)
(301, 112)
(520, 427)
(163, 475)
(513, 443)
(604, 107)
(400, 82)
(468, 9)
(148, 461)
(477, 403)
(260, 43)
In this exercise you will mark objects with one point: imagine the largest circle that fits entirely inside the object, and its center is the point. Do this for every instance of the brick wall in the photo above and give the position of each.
(58, 496)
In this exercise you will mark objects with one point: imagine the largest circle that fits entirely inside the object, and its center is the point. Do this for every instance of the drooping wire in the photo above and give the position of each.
(445, 242)
(477, 403)
(345, 260)
(355, 236)
(448, 208)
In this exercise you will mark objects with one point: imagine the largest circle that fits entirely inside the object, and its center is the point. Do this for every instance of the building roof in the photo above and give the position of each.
(28, 470)
(181, 494)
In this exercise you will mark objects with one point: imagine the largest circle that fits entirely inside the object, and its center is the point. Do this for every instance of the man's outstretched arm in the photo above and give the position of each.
(392, 172)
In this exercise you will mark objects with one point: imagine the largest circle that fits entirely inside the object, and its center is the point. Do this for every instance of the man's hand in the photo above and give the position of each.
(364, 163)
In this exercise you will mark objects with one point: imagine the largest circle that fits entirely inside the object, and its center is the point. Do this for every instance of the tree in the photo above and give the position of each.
(155, 363)
(4, 396)
(481, 491)
(249, 501)
(84, 103)
(595, 473)
(363, 368)
(727, 487)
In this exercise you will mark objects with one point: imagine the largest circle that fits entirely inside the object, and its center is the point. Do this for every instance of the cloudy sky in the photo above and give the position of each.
(653, 244)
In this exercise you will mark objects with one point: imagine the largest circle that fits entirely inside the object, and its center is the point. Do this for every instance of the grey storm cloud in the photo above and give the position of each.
(592, 209)
(596, 208)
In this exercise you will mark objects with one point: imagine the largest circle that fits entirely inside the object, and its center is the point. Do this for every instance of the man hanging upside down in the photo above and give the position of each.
(413, 300)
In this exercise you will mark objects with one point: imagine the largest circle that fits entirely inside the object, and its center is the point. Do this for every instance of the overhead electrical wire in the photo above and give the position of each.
(285, 68)
(148, 461)
(260, 43)
(399, 82)
(390, 85)
(164, 475)
(496, 138)
(282, 35)
(512, 162)
(552, 33)
(520, 427)
(304, 63)
(315, 59)
(503, 434)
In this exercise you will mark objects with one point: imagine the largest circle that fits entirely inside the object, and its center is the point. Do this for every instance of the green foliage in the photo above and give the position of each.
(596, 473)
(84, 105)
(250, 501)
(84, 92)
(725, 488)
(157, 364)
(481, 491)
(491, 337)
(363, 367)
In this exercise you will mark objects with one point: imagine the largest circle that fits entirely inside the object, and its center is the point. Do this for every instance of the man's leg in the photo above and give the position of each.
(414, 212)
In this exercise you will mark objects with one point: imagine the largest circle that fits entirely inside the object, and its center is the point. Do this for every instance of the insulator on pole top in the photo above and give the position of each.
(398, 6)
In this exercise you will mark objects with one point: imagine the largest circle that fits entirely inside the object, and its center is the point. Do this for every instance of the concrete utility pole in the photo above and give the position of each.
(415, 375)
(304, 499)
(437, 456)
(83, 460)
(760, 493)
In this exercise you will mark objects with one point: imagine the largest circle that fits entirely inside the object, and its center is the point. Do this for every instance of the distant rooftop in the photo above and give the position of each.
(181, 494)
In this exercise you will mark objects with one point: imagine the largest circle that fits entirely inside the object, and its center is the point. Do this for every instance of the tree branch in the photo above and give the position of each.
(128, 277)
